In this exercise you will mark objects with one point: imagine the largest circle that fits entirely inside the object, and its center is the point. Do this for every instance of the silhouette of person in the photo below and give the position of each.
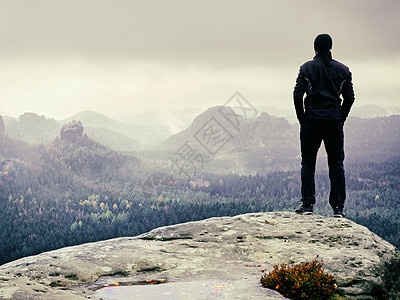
(322, 114)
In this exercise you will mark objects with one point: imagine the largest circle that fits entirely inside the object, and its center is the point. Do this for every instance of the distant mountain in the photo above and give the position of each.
(287, 113)
(375, 139)
(130, 133)
(94, 119)
(261, 141)
(394, 109)
(364, 111)
(2, 133)
(115, 140)
(271, 143)
(2, 127)
(35, 129)
(256, 144)
(32, 128)
(369, 111)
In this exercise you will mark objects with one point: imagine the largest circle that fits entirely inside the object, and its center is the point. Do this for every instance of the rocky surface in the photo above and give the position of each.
(220, 258)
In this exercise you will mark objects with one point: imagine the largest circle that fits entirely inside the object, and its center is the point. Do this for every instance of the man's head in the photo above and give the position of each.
(323, 43)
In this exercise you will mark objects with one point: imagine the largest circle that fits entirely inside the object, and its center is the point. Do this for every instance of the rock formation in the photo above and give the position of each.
(72, 131)
(2, 133)
(214, 258)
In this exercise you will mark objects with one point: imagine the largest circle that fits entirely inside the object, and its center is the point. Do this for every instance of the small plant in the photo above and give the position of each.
(301, 281)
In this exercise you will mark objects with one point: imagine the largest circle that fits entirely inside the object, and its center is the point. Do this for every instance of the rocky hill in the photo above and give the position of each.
(214, 258)
(241, 133)
(241, 144)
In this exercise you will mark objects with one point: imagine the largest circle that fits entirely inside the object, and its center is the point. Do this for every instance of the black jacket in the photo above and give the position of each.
(323, 84)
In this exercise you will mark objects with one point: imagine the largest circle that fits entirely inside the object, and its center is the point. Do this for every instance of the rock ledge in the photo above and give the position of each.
(229, 252)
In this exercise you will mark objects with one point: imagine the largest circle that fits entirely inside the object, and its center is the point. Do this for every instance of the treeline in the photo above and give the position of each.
(29, 229)
(32, 224)
(64, 194)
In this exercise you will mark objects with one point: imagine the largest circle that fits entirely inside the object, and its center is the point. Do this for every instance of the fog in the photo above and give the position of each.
(122, 58)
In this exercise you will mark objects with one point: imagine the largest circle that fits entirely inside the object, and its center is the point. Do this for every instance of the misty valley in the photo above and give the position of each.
(90, 178)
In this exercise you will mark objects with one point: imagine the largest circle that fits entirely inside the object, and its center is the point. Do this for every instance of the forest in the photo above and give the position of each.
(75, 190)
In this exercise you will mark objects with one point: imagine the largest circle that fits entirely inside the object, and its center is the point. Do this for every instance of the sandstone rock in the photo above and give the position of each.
(222, 257)
(72, 131)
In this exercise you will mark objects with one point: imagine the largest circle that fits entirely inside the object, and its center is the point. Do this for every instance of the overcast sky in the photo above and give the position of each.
(123, 57)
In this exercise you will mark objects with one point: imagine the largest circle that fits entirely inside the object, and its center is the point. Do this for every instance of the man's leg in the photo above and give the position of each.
(310, 140)
(333, 141)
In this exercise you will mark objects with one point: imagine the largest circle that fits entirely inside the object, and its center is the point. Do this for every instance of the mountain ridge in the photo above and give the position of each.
(253, 142)
(267, 142)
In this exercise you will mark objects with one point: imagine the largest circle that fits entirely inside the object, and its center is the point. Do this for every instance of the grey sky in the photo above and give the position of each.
(124, 57)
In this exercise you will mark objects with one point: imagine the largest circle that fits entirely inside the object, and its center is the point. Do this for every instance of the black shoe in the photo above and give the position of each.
(338, 212)
(304, 210)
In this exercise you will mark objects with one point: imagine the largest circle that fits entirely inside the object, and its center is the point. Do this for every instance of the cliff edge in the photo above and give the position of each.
(214, 258)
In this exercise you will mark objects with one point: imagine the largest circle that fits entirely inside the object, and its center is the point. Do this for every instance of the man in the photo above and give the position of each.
(321, 118)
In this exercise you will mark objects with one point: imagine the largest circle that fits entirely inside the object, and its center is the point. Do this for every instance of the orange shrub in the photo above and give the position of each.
(301, 281)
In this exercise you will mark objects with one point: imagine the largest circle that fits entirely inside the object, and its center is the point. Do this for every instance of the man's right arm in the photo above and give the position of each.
(298, 93)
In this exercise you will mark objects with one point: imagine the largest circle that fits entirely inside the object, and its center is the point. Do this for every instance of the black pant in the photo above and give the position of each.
(312, 133)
